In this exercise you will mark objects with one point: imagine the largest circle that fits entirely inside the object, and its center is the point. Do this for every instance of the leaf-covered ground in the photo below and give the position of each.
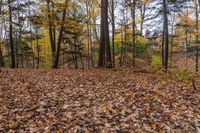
(96, 101)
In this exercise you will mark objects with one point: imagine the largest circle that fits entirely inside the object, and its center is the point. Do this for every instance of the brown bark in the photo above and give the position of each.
(104, 50)
(133, 30)
(55, 65)
(12, 52)
(166, 34)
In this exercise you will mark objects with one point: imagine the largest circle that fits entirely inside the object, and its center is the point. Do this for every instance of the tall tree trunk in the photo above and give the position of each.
(30, 35)
(166, 34)
(56, 62)
(101, 60)
(113, 32)
(172, 41)
(163, 45)
(104, 50)
(197, 36)
(11, 36)
(88, 33)
(107, 38)
(51, 33)
(133, 30)
(125, 37)
(2, 64)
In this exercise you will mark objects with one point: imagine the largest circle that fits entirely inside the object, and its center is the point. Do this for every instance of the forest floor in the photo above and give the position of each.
(96, 101)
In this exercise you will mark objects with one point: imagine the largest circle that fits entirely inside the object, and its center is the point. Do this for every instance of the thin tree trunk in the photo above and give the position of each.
(166, 33)
(122, 48)
(172, 41)
(113, 33)
(38, 53)
(163, 45)
(133, 30)
(30, 36)
(2, 64)
(197, 36)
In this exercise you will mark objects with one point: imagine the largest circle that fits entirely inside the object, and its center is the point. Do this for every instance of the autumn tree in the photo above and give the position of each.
(51, 28)
(55, 65)
(132, 5)
(144, 7)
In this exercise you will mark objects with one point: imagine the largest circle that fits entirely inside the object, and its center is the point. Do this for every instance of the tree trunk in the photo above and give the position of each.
(38, 53)
(11, 36)
(2, 64)
(166, 34)
(59, 40)
(51, 33)
(113, 33)
(104, 50)
(142, 15)
(197, 36)
(163, 45)
(122, 47)
(88, 33)
(133, 30)
(30, 35)
(172, 41)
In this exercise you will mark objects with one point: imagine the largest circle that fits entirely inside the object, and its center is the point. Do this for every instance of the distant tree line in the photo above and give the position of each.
(89, 33)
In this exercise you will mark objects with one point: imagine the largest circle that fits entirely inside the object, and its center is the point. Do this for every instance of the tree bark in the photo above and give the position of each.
(2, 64)
(11, 36)
(113, 33)
(166, 34)
(59, 40)
(104, 49)
(51, 33)
(133, 30)
(197, 36)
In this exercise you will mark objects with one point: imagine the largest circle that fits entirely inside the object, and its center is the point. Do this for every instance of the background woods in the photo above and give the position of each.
(89, 33)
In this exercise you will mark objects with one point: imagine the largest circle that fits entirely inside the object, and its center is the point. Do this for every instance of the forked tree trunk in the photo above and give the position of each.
(60, 39)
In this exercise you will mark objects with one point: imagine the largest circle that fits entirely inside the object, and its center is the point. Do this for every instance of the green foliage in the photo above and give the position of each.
(142, 48)
(118, 46)
(182, 74)
(7, 60)
(156, 60)
(156, 63)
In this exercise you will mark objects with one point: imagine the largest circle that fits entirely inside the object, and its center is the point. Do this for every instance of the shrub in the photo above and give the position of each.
(182, 74)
